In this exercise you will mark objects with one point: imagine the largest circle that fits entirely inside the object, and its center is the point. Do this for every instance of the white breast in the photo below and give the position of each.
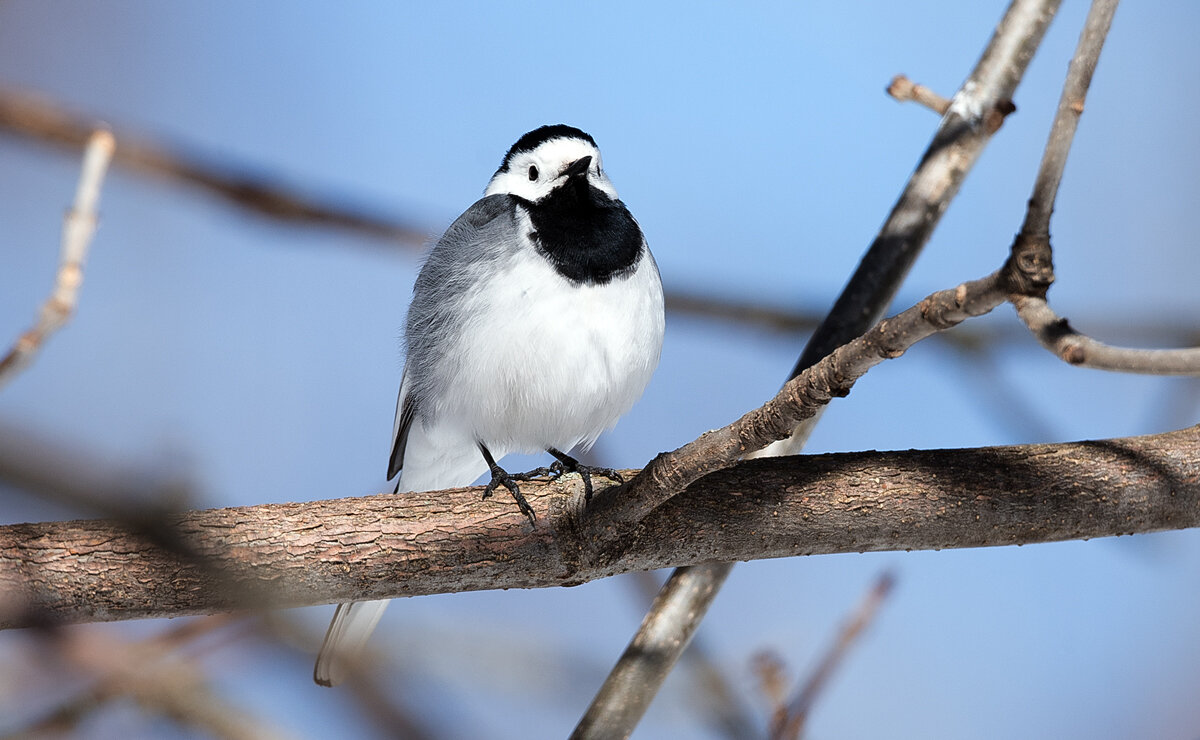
(548, 363)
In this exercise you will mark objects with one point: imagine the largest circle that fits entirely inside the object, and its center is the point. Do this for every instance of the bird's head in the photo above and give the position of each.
(548, 159)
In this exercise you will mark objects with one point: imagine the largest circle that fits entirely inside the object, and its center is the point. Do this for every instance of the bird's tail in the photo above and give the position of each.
(431, 463)
(344, 640)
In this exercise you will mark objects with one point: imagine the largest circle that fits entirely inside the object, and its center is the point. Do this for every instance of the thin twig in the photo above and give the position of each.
(902, 89)
(78, 227)
(1051, 330)
(790, 725)
(1058, 336)
(1066, 117)
(967, 127)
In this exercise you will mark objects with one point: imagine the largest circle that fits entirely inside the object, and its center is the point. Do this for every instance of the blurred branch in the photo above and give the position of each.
(741, 312)
(769, 668)
(143, 504)
(1004, 403)
(654, 648)
(978, 110)
(78, 227)
(714, 696)
(392, 545)
(709, 692)
(246, 187)
(789, 724)
(155, 675)
(84, 481)
(901, 88)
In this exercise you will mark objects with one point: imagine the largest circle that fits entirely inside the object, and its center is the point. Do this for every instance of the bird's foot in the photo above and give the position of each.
(567, 464)
(501, 478)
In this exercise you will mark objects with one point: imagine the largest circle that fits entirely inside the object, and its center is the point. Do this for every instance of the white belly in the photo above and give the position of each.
(553, 364)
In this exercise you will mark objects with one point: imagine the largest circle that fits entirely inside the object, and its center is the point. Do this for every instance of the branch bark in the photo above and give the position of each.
(385, 546)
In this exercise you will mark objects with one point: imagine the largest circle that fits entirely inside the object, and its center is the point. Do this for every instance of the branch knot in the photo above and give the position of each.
(1029, 269)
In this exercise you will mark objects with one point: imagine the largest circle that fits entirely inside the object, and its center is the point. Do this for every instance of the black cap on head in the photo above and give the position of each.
(536, 137)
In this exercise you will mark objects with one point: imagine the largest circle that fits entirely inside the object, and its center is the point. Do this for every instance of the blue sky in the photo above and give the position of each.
(759, 153)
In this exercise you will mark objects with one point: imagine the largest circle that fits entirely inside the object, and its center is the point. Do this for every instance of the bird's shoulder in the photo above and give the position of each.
(488, 212)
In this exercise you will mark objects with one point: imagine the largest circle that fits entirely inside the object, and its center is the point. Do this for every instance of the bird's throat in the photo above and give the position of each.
(588, 237)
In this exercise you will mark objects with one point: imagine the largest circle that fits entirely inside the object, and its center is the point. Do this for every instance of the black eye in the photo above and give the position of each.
(532, 172)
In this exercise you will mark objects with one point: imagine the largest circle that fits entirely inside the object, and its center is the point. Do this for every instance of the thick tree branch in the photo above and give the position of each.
(403, 545)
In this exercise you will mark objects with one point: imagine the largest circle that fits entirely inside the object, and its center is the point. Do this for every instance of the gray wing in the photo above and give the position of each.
(480, 235)
(405, 412)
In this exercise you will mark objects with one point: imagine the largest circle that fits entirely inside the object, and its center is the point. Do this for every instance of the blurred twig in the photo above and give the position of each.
(714, 695)
(143, 506)
(86, 483)
(246, 187)
(788, 726)
(78, 227)
(155, 674)
(1006, 405)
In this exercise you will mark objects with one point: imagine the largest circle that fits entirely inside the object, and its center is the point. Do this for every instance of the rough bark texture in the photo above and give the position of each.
(280, 555)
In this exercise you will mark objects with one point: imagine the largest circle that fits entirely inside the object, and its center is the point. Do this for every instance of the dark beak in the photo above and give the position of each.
(578, 167)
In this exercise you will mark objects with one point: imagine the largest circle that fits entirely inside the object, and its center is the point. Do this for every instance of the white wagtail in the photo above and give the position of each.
(535, 323)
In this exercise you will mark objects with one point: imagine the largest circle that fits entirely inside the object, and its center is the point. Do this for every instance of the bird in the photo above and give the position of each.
(536, 322)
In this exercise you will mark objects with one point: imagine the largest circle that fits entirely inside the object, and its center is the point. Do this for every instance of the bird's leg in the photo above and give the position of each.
(568, 464)
(501, 478)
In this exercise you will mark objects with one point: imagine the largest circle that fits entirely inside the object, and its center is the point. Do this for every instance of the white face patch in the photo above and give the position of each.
(532, 175)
